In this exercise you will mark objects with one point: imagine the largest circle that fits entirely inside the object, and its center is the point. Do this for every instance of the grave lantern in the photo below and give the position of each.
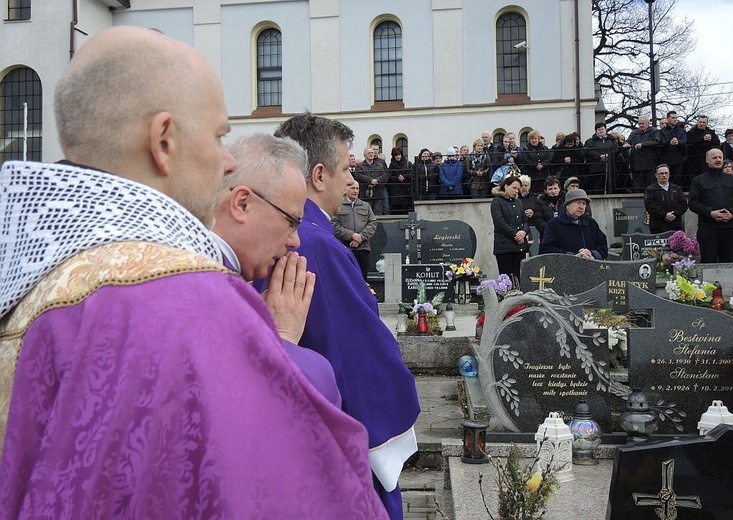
(450, 317)
(586, 435)
(717, 414)
(422, 321)
(638, 421)
(474, 442)
(555, 448)
(401, 322)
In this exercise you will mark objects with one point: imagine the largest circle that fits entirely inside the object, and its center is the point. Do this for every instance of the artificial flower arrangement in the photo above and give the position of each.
(523, 490)
(682, 248)
(691, 292)
(467, 268)
(502, 286)
(430, 307)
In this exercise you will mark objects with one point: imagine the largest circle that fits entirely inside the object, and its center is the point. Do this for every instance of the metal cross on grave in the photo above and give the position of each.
(413, 236)
(666, 498)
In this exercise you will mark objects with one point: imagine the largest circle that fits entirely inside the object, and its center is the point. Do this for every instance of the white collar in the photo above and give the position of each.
(228, 252)
(50, 212)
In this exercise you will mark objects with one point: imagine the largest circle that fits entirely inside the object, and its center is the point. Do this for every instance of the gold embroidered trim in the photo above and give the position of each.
(121, 263)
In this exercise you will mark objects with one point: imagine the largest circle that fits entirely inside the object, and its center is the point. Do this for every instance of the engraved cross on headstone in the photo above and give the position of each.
(413, 236)
(541, 279)
(666, 498)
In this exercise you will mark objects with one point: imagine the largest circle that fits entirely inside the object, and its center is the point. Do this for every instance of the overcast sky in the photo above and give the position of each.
(713, 29)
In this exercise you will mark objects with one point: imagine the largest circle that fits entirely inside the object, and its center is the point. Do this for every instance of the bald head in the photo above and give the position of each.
(139, 104)
(116, 82)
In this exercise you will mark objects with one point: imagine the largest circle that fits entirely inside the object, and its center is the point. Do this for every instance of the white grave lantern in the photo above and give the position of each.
(717, 414)
(555, 447)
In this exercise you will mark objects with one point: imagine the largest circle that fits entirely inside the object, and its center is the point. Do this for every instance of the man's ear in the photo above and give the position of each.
(240, 203)
(318, 178)
(162, 140)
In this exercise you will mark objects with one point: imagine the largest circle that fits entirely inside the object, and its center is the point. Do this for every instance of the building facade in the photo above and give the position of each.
(414, 73)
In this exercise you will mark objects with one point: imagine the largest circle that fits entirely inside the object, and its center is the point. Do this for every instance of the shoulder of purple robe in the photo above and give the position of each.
(344, 326)
(175, 398)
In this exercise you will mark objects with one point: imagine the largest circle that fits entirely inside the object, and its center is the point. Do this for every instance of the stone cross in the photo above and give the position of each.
(666, 498)
(413, 236)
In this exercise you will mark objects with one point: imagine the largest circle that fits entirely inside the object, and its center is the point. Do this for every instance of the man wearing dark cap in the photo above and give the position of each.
(573, 232)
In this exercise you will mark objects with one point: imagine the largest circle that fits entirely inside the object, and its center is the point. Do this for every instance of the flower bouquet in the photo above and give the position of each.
(682, 247)
(430, 308)
(502, 286)
(691, 292)
(466, 269)
(523, 490)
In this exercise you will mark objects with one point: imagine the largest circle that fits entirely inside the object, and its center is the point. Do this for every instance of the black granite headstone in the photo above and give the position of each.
(447, 242)
(638, 245)
(688, 479)
(631, 218)
(682, 362)
(544, 361)
(440, 242)
(434, 276)
(568, 274)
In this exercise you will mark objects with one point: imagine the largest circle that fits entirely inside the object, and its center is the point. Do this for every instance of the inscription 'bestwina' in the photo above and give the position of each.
(677, 335)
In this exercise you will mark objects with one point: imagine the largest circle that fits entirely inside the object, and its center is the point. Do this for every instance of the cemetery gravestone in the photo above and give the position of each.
(631, 218)
(568, 274)
(434, 277)
(682, 362)
(639, 245)
(688, 479)
(540, 361)
(440, 242)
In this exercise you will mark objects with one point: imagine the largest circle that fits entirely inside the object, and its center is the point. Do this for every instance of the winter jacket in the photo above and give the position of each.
(509, 218)
(399, 190)
(364, 175)
(354, 217)
(645, 158)
(710, 191)
(451, 177)
(479, 163)
(658, 202)
(567, 236)
(427, 179)
(697, 147)
(673, 155)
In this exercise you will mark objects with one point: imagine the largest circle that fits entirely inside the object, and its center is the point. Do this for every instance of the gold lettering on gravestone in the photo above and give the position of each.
(696, 366)
(666, 499)
(541, 279)
(617, 291)
(556, 380)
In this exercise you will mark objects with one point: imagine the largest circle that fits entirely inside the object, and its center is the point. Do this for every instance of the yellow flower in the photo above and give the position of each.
(461, 270)
(534, 482)
(453, 267)
(476, 270)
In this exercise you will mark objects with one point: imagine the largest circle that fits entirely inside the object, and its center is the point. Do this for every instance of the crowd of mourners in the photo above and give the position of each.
(607, 162)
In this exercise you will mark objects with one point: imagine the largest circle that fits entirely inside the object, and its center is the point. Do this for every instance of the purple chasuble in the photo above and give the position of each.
(174, 398)
(344, 325)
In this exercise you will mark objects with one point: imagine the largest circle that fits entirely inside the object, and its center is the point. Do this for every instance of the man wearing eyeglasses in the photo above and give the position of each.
(343, 324)
(255, 233)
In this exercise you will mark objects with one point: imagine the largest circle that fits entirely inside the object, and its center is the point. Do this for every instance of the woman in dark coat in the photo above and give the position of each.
(426, 176)
(511, 227)
(400, 180)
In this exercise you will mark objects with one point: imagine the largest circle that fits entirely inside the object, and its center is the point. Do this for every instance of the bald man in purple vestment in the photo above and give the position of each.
(343, 323)
(139, 377)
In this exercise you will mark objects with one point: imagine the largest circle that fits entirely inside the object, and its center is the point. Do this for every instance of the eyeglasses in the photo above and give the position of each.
(293, 220)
